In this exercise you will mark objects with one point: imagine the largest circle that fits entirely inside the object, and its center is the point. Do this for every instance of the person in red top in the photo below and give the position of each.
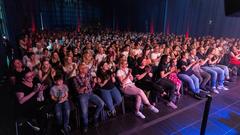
(234, 56)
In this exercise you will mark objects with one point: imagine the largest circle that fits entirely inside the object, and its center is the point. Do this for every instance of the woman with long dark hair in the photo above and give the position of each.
(144, 76)
(162, 73)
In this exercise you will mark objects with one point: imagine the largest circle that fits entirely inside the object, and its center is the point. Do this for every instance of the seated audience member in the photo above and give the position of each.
(59, 94)
(126, 50)
(62, 52)
(56, 63)
(128, 87)
(167, 51)
(136, 50)
(202, 75)
(234, 56)
(70, 68)
(217, 74)
(26, 57)
(38, 50)
(156, 55)
(219, 53)
(173, 76)
(16, 72)
(33, 63)
(111, 63)
(132, 60)
(176, 52)
(76, 55)
(45, 75)
(186, 74)
(109, 93)
(100, 55)
(146, 54)
(45, 54)
(26, 93)
(90, 62)
(162, 79)
(144, 81)
(24, 43)
(84, 84)
(111, 51)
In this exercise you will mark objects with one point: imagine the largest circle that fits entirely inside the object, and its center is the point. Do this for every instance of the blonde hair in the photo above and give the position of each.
(122, 60)
(82, 65)
(87, 59)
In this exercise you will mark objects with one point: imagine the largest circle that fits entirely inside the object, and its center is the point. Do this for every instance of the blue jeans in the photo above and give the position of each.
(62, 112)
(111, 98)
(226, 70)
(83, 100)
(217, 74)
(192, 81)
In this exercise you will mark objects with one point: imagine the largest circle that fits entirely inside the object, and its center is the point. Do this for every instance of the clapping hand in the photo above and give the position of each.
(74, 66)
(113, 75)
(40, 87)
(184, 68)
(129, 72)
(173, 69)
(148, 69)
(53, 72)
(61, 100)
(163, 94)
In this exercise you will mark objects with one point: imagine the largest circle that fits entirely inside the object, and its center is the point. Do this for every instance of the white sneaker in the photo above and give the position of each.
(171, 104)
(154, 109)
(222, 88)
(139, 114)
(215, 90)
(35, 128)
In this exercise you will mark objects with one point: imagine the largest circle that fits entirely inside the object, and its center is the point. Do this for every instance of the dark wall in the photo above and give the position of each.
(15, 17)
(198, 17)
(27, 14)
(201, 17)
(62, 14)
(134, 15)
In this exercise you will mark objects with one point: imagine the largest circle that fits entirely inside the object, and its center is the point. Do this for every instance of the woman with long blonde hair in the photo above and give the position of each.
(125, 77)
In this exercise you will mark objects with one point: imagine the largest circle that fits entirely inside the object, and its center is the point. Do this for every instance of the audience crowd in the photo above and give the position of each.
(59, 68)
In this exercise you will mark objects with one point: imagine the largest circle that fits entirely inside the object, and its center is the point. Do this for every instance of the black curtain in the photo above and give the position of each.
(201, 17)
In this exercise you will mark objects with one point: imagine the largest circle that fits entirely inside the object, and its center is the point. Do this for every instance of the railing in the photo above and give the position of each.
(205, 115)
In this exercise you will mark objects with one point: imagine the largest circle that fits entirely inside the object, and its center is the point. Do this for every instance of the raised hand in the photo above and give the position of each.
(53, 72)
(173, 69)
(36, 88)
(129, 71)
(74, 66)
(42, 87)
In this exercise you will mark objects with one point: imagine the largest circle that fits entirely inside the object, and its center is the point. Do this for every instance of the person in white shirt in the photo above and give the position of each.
(126, 51)
(38, 50)
(101, 55)
(156, 55)
(128, 87)
(137, 51)
(70, 68)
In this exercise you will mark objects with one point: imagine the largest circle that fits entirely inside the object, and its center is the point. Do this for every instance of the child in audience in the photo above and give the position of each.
(59, 94)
